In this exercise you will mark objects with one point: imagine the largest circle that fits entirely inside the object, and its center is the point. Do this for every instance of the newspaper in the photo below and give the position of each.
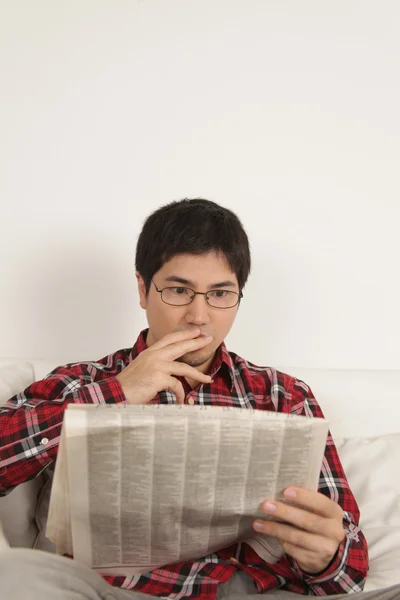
(139, 487)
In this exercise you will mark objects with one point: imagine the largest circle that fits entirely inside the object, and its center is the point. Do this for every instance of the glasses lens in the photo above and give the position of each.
(177, 296)
(222, 298)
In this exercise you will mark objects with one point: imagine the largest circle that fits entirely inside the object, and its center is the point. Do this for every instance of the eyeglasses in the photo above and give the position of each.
(180, 296)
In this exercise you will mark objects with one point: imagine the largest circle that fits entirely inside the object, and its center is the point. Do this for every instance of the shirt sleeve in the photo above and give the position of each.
(30, 422)
(348, 569)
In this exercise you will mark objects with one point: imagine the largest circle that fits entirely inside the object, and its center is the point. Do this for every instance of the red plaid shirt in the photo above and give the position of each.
(30, 426)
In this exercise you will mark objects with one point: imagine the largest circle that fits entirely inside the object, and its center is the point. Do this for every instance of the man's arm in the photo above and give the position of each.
(349, 567)
(30, 422)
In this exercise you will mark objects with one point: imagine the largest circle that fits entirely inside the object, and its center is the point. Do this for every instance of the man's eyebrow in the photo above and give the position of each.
(188, 282)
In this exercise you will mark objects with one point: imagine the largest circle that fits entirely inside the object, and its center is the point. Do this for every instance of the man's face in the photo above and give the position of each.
(200, 273)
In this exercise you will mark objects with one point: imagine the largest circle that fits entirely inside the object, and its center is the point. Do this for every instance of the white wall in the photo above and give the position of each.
(285, 111)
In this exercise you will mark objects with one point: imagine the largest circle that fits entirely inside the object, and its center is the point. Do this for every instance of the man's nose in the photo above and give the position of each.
(198, 311)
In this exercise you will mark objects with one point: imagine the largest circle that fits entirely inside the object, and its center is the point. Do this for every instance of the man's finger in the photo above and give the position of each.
(177, 336)
(314, 501)
(296, 537)
(174, 351)
(183, 370)
(177, 388)
(303, 519)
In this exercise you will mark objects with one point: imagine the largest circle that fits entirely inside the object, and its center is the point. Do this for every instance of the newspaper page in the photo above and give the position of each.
(139, 487)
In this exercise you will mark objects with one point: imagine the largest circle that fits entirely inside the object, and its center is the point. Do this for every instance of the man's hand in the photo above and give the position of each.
(311, 538)
(156, 369)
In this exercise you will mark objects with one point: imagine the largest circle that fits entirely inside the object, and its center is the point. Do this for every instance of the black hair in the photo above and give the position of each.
(192, 226)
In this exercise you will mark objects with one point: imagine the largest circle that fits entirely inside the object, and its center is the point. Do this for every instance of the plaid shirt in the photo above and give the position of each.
(30, 427)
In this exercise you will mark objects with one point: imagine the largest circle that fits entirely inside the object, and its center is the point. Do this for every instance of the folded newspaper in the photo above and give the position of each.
(139, 487)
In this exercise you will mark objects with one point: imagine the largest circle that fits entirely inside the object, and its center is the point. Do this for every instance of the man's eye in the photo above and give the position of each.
(179, 291)
(218, 293)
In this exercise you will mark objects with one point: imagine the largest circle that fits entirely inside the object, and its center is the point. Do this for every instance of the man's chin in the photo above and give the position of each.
(194, 359)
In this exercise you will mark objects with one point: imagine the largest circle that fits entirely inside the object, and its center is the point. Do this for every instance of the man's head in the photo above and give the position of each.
(194, 244)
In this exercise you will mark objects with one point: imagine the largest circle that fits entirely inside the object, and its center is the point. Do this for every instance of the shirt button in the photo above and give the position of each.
(44, 441)
(190, 400)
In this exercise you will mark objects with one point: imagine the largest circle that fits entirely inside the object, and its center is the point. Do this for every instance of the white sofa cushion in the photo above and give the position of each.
(351, 399)
(371, 467)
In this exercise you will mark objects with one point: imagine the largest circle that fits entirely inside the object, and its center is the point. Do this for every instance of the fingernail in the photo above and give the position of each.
(258, 525)
(290, 493)
(269, 507)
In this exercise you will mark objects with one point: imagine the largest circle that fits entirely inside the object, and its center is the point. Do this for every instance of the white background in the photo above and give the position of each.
(285, 111)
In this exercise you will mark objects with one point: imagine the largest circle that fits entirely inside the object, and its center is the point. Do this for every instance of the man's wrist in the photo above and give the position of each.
(330, 567)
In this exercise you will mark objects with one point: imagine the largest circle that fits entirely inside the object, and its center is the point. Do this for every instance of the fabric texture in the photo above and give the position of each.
(30, 426)
(17, 511)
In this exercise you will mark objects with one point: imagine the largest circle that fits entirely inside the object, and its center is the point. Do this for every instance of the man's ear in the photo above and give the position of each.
(141, 290)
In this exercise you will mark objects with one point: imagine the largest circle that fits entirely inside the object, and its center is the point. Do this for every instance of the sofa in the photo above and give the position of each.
(363, 409)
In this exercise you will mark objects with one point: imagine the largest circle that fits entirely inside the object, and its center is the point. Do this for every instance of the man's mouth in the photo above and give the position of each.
(202, 334)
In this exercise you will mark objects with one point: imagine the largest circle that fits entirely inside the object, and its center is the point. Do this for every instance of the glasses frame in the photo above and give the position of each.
(205, 294)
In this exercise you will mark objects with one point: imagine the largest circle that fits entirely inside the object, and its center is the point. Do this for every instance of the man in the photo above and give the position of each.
(192, 263)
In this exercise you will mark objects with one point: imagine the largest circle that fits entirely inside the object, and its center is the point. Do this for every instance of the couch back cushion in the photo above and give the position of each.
(371, 465)
(357, 403)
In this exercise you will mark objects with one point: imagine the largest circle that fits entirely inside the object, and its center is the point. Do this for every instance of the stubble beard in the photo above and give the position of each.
(195, 360)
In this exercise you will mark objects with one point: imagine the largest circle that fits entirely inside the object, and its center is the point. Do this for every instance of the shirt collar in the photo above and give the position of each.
(222, 360)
